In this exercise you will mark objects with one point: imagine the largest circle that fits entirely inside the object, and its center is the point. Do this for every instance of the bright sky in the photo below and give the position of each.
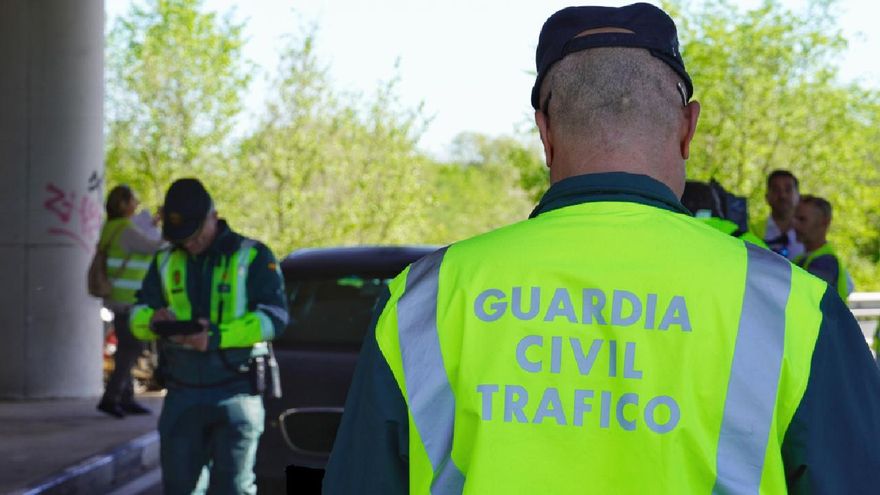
(469, 61)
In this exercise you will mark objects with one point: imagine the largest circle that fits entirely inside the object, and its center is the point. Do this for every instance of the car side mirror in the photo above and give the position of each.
(311, 430)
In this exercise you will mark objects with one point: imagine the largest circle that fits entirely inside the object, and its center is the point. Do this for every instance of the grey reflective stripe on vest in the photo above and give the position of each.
(129, 263)
(243, 254)
(163, 264)
(431, 401)
(754, 374)
(127, 284)
(277, 312)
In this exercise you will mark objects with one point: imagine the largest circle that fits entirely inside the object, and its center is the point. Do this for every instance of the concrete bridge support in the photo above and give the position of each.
(51, 193)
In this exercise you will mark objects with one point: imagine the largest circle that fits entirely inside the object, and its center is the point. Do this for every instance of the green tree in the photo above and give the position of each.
(175, 78)
(772, 98)
(330, 167)
(516, 151)
(482, 187)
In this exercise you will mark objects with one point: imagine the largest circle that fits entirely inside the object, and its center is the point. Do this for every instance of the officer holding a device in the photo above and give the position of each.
(214, 300)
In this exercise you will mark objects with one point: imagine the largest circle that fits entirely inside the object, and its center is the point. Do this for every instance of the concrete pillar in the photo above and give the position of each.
(51, 189)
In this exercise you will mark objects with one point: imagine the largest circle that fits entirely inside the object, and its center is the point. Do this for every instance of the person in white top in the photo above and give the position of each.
(782, 196)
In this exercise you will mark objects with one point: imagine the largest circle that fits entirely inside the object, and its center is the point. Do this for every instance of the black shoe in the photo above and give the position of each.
(134, 408)
(112, 409)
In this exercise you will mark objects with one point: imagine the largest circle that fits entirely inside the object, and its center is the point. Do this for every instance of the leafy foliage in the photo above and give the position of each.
(481, 188)
(175, 77)
(321, 166)
(772, 99)
(334, 168)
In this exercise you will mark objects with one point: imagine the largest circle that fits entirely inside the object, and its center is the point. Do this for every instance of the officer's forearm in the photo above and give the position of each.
(252, 328)
(139, 320)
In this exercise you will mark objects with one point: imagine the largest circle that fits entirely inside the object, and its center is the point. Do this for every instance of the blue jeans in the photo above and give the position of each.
(208, 441)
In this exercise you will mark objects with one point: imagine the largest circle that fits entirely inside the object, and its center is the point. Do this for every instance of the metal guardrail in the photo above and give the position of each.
(864, 305)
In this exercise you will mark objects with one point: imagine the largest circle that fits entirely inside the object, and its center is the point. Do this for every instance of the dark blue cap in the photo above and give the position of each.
(186, 207)
(652, 29)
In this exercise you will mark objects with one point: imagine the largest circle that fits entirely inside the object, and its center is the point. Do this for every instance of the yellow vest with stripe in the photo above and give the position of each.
(606, 347)
(126, 270)
(804, 262)
(731, 228)
(229, 305)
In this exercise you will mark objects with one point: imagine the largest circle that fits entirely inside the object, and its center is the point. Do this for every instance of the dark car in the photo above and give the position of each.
(331, 293)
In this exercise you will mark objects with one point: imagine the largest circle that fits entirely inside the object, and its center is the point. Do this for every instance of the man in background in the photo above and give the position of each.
(778, 232)
(812, 220)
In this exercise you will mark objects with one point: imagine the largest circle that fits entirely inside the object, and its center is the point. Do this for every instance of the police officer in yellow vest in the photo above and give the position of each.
(231, 288)
(129, 251)
(610, 344)
(812, 218)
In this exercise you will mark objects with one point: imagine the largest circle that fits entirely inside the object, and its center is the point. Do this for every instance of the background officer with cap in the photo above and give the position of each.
(611, 343)
(230, 287)
(707, 201)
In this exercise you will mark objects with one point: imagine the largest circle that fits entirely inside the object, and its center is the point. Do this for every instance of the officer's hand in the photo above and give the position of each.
(197, 341)
(162, 314)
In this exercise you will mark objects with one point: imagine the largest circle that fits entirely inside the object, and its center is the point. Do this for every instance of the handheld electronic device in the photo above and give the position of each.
(171, 328)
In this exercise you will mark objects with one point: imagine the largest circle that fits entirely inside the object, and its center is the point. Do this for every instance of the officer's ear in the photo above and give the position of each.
(543, 123)
(691, 113)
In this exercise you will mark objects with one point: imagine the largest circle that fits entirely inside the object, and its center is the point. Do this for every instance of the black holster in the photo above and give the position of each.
(265, 376)
(258, 374)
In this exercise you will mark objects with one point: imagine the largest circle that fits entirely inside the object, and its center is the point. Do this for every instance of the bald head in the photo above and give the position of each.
(615, 109)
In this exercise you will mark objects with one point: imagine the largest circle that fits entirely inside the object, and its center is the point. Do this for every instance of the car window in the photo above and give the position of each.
(330, 311)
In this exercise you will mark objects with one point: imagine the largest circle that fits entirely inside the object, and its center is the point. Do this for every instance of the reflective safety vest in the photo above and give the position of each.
(606, 347)
(804, 261)
(229, 304)
(732, 229)
(126, 270)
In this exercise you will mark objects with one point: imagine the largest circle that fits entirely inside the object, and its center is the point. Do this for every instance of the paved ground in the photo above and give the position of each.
(66, 446)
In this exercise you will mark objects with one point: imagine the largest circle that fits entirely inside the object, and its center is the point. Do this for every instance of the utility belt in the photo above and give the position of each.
(261, 371)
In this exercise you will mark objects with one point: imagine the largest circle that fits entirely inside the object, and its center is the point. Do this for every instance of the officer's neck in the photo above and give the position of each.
(566, 165)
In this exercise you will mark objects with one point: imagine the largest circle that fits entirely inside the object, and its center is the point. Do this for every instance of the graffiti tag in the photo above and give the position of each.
(77, 216)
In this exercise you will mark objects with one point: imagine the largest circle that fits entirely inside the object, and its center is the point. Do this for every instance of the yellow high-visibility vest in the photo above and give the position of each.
(604, 347)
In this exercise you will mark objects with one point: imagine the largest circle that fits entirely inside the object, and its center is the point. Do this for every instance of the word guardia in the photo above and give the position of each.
(591, 307)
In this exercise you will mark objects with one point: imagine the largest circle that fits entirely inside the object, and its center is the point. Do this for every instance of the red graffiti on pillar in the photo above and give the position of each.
(78, 217)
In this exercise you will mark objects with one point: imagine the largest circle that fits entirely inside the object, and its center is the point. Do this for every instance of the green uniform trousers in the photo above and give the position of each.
(197, 425)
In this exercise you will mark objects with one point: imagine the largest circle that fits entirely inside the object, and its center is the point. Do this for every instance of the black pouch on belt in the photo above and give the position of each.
(258, 374)
(274, 374)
